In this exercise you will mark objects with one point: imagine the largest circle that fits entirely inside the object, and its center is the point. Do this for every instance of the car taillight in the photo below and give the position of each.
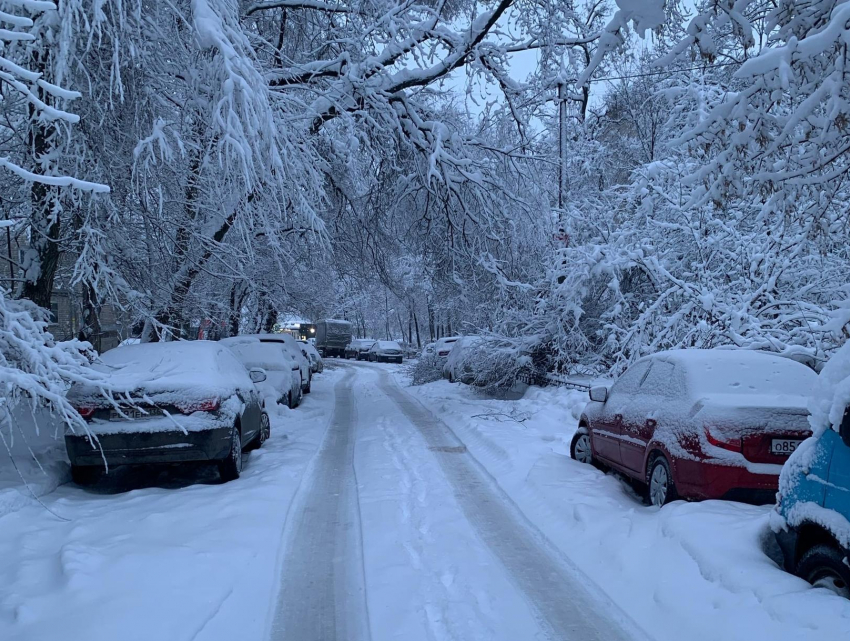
(441, 353)
(206, 405)
(85, 412)
(733, 445)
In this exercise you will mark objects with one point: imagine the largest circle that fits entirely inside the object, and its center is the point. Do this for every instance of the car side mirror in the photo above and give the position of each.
(257, 374)
(844, 428)
(599, 393)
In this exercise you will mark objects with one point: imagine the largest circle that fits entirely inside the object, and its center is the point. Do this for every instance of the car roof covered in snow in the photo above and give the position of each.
(190, 367)
(388, 344)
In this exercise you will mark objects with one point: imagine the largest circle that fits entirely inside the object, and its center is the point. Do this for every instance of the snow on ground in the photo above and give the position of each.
(428, 575)
(182, 557)
(693, 571)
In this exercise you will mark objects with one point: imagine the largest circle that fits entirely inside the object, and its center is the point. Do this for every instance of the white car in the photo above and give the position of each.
(283, 382)
(316, 363)
(294, 348)
(444, 345)
(458, 365)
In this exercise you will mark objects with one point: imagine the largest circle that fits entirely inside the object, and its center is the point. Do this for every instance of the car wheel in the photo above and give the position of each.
(299, 397)
(580, 448)
(84, 474)
(230, 468)
(823, 566)
(660, 487)
(265, 430)
(309, 385)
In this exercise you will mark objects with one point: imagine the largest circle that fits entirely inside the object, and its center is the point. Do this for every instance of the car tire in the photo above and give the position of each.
(581, 449)
(660, 489)
(231, 467)
(309, 387)
(84, 474)
(823, 566)
(265, 430)
(299, 397)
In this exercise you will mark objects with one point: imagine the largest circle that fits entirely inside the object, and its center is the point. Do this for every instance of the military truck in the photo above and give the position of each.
(332, 336)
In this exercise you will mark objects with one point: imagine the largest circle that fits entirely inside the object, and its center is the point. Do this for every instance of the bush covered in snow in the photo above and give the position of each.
(426, 369)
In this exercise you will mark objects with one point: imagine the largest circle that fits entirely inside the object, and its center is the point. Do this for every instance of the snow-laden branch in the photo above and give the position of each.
(55, 181)
(316, 5)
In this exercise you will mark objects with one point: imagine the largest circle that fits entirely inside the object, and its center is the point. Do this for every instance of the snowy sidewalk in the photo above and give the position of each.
(691, 571)
(187, 561)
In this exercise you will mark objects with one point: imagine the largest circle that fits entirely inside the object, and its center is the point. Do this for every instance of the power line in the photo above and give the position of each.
(664, 71)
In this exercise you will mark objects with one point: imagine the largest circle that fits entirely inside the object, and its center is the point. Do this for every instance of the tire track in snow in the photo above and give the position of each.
(322, 595)
(568, 602)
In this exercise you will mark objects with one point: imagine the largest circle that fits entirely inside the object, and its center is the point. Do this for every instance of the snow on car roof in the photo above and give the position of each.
(204, 366)
(738, 371)
(388, 344)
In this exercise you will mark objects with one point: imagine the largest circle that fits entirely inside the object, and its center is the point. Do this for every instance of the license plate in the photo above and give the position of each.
(134, 413)
(784, 446)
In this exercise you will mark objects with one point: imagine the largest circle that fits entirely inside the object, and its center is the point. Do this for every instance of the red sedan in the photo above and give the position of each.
(699, 424)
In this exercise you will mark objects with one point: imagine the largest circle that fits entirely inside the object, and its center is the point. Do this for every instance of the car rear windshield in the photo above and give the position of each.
(750, 374)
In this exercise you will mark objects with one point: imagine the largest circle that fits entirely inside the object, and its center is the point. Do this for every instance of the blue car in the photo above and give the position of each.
(814, 503)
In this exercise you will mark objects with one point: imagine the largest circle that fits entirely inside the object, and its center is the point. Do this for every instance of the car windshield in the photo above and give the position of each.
(269, 356)
(740, 373)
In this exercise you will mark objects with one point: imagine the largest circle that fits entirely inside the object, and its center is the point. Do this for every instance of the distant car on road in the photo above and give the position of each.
(284, 373)
(386, 352)
(699, 424)
(316, 363)
(332, 336)
(176, 402)
(444, 345)
(429, 350)
(358, 348)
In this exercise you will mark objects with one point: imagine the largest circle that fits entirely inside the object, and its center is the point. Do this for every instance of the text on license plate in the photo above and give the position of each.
(784, 446)
(134, 413)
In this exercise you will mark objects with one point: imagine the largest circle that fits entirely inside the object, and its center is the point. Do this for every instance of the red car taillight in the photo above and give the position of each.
(442, 353)
(85, 412)
(733, 445)
(206, 405)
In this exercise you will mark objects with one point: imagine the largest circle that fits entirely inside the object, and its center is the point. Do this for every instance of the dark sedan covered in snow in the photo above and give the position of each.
(171, 402)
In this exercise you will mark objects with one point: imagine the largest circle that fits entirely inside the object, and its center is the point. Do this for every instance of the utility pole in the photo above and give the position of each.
(562, 151)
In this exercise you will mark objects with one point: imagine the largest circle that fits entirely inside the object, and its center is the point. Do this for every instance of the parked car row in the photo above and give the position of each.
(721, 424)
(186, 401)
(375, 351)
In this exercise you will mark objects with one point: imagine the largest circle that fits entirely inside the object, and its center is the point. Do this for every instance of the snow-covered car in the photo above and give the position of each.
(385, 352)
(283, 382)
(173, 402)
(429, 350)
(459, 363)
(317, 364)
(294, 348)
(358, 348)
(812, 517)
(699, 424)
(444, 345)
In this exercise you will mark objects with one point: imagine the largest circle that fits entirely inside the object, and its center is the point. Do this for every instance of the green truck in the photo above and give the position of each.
(332, 336)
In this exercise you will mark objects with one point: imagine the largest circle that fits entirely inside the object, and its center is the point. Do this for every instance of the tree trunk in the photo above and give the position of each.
(42, 258)
(416, 324)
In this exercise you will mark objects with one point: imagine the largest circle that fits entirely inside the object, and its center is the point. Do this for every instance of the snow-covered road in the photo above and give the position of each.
(377, 512)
